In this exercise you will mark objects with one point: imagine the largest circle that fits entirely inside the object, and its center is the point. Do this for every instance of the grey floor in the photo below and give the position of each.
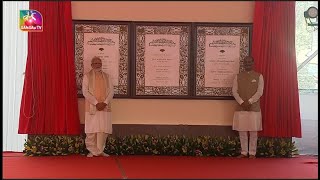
(308, 144)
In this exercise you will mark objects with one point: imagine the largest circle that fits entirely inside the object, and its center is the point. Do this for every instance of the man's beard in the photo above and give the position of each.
(97, 69)
(249, 68)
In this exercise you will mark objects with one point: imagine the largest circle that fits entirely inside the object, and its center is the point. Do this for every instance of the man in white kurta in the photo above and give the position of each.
(98, 91)
(247, 90)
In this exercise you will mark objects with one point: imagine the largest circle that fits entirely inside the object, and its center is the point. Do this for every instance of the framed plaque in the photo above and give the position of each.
(161, 60)
(109, 41)
(219, 54)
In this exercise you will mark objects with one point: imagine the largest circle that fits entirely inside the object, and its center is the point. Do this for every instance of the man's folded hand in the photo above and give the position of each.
(100, 106)
(246, 105)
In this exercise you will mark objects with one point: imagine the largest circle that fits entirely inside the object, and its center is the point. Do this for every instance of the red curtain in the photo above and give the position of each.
(49, 101)
(273, 49)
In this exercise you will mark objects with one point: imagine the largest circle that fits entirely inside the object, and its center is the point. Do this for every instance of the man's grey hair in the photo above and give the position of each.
(94, 58)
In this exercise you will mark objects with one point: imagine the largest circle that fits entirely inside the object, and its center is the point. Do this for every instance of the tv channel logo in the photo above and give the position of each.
(31, 21)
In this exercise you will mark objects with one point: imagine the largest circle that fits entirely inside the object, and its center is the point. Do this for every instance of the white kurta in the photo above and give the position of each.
(247, 120)
(101, 120)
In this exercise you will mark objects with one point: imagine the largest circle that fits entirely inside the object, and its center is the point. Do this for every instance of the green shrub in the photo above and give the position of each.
(43, 145)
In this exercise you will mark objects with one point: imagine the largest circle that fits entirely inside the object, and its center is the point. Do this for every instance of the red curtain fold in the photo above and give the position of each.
(49, 101)
(273, 49)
